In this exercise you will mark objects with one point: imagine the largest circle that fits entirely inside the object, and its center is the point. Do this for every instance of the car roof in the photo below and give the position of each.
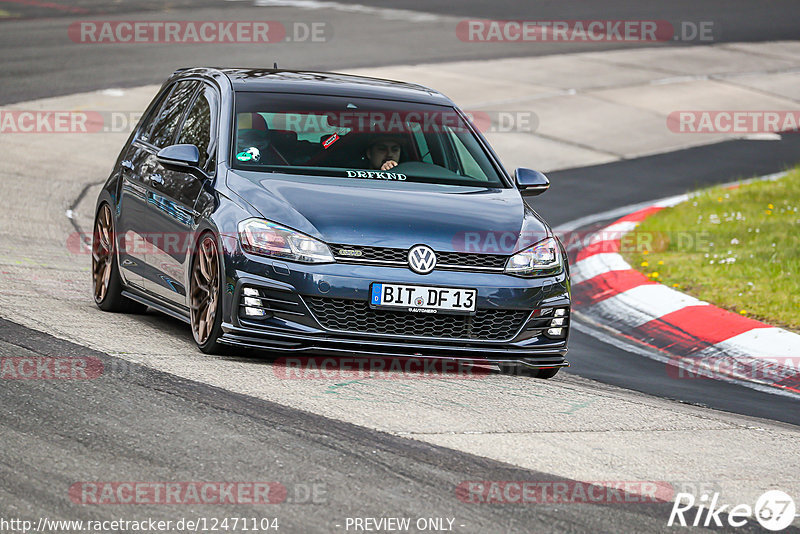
(323, 83)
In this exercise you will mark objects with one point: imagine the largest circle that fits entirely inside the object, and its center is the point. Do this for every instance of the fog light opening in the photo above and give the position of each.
(250, 301)
(254, 312)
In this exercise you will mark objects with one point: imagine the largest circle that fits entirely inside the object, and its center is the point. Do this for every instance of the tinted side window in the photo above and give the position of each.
(163, 131)
(154, 110)
(200, 124)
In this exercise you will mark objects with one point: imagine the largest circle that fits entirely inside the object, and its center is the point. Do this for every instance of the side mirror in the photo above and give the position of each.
(181, 156)
(531, 182)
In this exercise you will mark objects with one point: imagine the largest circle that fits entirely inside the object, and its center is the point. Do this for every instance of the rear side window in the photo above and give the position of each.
(200, 124)
(153, 113)
(163, 131)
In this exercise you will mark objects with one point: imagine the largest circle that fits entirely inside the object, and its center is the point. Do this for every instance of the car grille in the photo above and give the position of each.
(346, 315)
(488, 261)
(450, 261)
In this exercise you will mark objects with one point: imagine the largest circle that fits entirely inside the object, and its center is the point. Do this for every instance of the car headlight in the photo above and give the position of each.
(266, 238)
(541, 259)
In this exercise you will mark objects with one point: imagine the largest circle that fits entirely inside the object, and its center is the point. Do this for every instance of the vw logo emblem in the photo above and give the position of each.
(421, 259)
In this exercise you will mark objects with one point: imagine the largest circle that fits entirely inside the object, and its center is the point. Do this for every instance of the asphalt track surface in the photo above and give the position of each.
(137, 424)
(151, 419)
(40, 60)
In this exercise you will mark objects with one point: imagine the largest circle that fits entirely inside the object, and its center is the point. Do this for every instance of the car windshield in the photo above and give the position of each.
(358, 138)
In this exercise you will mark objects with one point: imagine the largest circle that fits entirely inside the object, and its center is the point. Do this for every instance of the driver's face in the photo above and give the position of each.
(383, 151)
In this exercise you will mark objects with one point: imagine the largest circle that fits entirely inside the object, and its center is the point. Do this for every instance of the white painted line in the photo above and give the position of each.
(616, 213)
(679, 79)
(763, 137)
(538, 96)
(384, 13)
(597, 264)
(671, 201)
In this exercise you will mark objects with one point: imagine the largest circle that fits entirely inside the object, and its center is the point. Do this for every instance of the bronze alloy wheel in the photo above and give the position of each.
(204, 289)
(102, 253)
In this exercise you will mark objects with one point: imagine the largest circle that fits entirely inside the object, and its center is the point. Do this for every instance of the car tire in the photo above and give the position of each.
(545, 374)
(205, 295)
(532, 372)
(106, 283)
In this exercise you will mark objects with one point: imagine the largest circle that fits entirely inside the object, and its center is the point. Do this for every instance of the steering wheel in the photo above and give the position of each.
(412, 166)
(428, 170)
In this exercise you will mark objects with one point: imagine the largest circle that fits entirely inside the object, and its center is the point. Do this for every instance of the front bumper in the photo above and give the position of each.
(294, 326)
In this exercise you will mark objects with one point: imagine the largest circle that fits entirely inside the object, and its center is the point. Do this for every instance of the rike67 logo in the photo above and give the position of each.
(774, 511)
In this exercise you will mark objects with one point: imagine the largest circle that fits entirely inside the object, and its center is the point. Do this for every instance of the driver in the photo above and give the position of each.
(383, 152)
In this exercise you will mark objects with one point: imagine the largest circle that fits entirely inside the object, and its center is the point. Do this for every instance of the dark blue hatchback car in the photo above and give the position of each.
(323, 213)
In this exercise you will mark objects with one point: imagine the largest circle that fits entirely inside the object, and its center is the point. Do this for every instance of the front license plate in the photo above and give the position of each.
(423, 299)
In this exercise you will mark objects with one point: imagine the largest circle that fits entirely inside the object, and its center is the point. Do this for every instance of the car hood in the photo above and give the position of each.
(389, 214)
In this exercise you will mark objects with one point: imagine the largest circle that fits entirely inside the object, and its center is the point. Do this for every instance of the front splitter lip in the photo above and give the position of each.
(538, 357)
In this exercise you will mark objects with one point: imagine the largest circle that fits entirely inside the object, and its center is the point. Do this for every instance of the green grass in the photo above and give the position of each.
(738, 249)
